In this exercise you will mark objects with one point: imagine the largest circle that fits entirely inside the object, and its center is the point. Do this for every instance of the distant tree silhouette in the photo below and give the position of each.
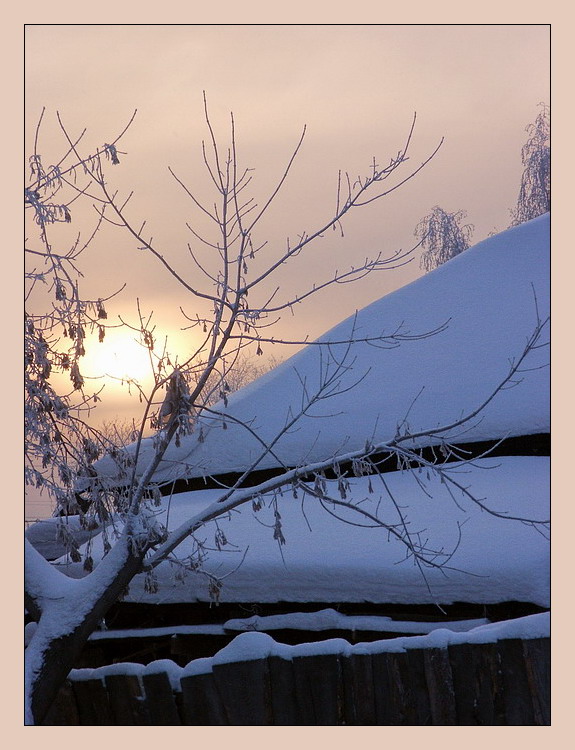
(442, 236)
(535, 192)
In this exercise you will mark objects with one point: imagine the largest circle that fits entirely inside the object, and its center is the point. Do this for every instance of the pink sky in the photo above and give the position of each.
(356, 89)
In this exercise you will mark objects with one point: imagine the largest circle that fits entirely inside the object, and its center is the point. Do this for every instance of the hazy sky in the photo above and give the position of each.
(355, 88)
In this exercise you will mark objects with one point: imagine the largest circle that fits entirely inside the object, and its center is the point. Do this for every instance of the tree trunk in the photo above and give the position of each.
(58, 657)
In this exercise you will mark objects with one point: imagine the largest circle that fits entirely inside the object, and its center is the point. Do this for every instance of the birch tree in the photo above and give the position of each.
(534, 196)
(443, 236)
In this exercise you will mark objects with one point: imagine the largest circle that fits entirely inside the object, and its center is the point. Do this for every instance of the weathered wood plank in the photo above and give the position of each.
(490, 669)
(517, 695)
(64, 711)
(201, 702)
(319, 689)
(537, 655)
(126, 700)
(93, 704)
(440, 687)
(472, 688)
(383, 689)
(478, 685)
(401, 704)
(245, 692)
(418, 686)
(359, 691)
(283, 692)
(160, 701)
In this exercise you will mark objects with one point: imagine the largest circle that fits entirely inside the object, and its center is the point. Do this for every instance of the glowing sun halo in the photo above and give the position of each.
(118, 357)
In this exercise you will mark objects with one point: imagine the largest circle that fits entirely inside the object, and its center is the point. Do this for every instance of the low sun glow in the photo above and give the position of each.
(119, 357)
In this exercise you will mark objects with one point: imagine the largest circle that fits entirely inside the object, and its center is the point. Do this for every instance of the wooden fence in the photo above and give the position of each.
(501, 683)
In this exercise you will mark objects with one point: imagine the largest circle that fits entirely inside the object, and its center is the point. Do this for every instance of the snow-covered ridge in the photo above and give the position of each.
(252, 646)
(489, 296)
(330, 619)
(325, 619)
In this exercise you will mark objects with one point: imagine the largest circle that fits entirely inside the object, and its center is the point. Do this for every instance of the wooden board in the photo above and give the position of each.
(284, 706)
(440, 687)
(319, 689)
(537, 655)
(201, 702)
(126, 700)
(93, 704)
(160, 700)
(245, 692)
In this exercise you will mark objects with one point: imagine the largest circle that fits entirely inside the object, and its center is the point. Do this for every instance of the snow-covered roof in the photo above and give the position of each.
(489, 297)
(327, 560)
(49, 535)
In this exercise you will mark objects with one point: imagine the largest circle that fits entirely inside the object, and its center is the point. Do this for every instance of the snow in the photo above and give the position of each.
(63, 602)
(171, 630)
(327, 560)
(249, 646)
(161, 666)
(29, 631)
(165, 666)
(45, 535)
(42, 580)
(329, 619)
(325, 619)
(198, 666)
(490, 295)
(486, 294)
(254, 646)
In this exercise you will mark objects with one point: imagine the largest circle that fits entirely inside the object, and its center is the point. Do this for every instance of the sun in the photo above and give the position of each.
(118, 357)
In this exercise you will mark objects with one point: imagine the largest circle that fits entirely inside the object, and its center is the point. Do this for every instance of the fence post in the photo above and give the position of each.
(473, 698)
(401, 704)
(537, 654)
(419, 689)
(383, 689)
(64, 711)
(359, 690)
(518, 703)
(283, 692)
(319, 689)
(93, 703)
(127, 700)
(245, 692)
(201, 703)
(440, 686)
(160, 701)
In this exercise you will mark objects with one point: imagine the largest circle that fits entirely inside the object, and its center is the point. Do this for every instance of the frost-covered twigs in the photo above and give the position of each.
(227, 262)
(62, 447)
(442, 236)
(534, 196)
(60, 443)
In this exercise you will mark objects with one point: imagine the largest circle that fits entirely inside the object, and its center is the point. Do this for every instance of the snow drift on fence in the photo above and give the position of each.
(254, 646)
